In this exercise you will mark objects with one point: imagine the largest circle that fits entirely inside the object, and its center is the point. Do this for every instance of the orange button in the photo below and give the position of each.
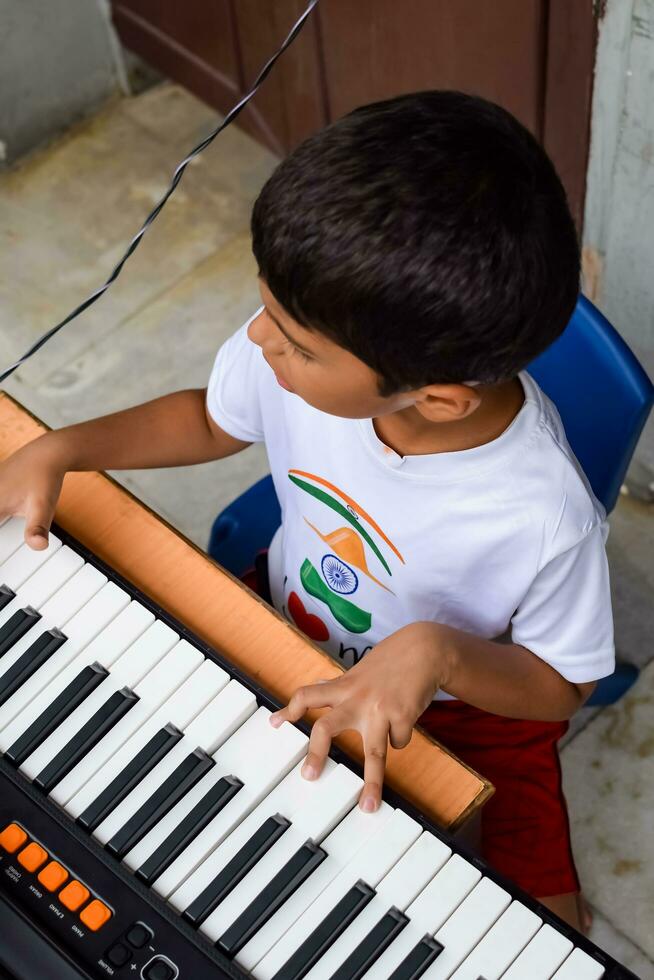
(95, 915)
(12, 837)
(53, 876)
(32, 857)
(73, 895)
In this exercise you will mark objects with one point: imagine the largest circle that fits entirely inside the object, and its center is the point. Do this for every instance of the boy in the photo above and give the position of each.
(438, 536)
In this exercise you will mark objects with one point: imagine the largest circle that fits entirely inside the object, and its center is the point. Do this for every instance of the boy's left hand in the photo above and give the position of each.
(381, 697)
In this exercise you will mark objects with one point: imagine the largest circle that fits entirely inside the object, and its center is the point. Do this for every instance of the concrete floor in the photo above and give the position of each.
(66, 215)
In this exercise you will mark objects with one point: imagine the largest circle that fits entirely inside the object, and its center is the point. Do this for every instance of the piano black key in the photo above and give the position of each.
(287, 880)
(193, 823)
(29, 662)
(6, 595)
(142, 763)
(416, 962)
(243, 861)
(370, 949)
(180, 781)
(86, 738)
(86, 681)
(344, 912)
(16, 627)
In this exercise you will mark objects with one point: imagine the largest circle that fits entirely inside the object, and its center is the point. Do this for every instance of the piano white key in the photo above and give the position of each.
(212, 726)
(466, 927)
(541, 957)
(331, 799)
(85, 610)
(201, 684)
(16, 569)
(398, 889)
(159, 693)
(222, 842)
(12, 536)
(257, 754)
(104, 649)
(345, 841)
(126, 672)
(44, 583)
(579, 966)
(384, 849)
(501, 945)
(427, 913)
(64, 604)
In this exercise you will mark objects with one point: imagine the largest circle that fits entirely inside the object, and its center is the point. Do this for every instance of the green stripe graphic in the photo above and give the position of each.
(351, 617)
(325, 498)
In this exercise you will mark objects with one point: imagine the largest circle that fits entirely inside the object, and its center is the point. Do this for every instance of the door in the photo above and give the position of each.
(535, 57)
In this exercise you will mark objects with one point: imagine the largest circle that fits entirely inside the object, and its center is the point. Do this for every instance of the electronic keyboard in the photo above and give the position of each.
(154, 825)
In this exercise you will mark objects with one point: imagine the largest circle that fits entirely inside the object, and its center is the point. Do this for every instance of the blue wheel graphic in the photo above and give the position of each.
(339, 576)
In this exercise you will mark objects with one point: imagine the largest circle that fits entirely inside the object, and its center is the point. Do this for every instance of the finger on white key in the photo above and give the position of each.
(19, 566)
(158, 694)
(503, 942)
(232, 922)
(198, 895)
(383, 918)
(84, 616)
(104, 649)
(43, 583)
(254, 759)
(319, 927)
(147, 804)
(541, 957)
(427, 913)
(579, 966)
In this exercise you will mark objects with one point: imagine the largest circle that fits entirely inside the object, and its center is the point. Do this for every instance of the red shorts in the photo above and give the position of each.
(524, 826)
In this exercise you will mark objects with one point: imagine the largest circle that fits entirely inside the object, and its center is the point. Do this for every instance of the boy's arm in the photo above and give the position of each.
(175, 430)
(505, 679)
(384, 695)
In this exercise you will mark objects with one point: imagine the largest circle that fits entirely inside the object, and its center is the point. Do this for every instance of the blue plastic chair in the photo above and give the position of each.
(604, 398)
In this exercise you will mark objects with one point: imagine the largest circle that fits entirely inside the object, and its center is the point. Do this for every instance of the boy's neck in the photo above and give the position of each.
(409, 433)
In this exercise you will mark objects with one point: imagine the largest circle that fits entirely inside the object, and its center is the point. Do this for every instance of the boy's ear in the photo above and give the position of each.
(447, 403)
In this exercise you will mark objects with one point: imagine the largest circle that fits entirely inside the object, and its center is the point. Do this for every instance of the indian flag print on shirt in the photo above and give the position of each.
(349, 569)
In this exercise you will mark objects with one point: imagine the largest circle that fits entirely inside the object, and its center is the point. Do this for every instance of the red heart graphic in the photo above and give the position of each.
(312, 625)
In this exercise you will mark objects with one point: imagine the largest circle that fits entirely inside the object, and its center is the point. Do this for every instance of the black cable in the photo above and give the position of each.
(177, 176)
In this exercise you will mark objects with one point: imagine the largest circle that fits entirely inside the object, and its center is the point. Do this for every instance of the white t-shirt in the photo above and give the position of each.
(503, 538)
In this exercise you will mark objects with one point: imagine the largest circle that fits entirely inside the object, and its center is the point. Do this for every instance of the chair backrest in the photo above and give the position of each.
(602, 393)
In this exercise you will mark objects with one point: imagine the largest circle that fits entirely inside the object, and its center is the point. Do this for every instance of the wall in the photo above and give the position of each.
(58, 61)
(619, 214)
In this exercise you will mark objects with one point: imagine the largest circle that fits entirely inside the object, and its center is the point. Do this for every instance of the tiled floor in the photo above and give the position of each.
(65, 216)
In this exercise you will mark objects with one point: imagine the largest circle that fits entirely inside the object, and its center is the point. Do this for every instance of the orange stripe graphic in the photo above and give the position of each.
(352, 503)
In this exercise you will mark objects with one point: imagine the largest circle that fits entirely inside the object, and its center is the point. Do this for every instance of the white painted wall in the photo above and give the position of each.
(619, 217)
(59, 60)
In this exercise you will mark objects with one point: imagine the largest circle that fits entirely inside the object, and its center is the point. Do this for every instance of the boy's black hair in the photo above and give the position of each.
(428, 234)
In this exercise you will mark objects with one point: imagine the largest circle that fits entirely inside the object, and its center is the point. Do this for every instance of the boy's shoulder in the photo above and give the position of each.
(552, 473)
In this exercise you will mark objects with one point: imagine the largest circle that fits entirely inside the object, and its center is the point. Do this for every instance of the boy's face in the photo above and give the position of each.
(312, 366)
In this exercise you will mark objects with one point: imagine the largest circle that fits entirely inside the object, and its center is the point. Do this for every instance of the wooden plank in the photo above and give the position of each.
(375, 51)
(176, 39)
(568, 89)
(149, 553)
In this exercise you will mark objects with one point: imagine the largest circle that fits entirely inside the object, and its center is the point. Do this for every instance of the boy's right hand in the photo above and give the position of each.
(30, 484)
